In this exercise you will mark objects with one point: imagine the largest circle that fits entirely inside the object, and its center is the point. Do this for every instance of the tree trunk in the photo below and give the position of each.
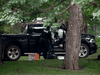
(73, 38)
(85, 29)
(65, 23)
(1, 53)
(94, 28)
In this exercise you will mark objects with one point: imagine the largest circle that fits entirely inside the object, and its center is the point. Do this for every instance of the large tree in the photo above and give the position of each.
(73, 38)
(1, 62)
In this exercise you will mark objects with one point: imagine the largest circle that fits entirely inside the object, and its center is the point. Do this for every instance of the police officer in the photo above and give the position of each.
(45, 42)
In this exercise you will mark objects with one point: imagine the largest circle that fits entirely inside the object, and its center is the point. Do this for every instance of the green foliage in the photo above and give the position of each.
(83, 2)
(96, 14)
(14, 11)
(15, 29)
(91, 15)
(18, 11)
(98, 41)
(94, 26)
(97, 1)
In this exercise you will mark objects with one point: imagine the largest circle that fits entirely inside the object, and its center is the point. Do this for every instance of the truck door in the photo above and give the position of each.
(34, 38)
(33, 42)
(22, 38)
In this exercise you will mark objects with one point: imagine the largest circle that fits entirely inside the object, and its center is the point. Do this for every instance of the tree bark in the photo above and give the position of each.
(65, 23)
(85, 29)
(73, 38)
(1, 52)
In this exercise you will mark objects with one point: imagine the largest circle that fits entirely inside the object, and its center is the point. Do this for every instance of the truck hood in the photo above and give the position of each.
(84, 35)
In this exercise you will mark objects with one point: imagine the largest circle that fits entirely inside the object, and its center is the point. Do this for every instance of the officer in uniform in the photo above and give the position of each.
(45, 42)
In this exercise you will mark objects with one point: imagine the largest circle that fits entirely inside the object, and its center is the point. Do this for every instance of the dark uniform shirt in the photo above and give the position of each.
(46, 35)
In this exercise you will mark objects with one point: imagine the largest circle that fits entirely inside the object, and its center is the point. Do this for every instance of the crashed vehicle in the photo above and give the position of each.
(88, 45)
(16, 45)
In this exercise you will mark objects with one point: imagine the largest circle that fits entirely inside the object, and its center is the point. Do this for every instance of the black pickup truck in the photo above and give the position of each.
(16, 45)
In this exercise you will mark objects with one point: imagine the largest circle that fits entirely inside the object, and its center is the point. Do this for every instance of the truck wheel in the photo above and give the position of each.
(84, 51)
(13, 53)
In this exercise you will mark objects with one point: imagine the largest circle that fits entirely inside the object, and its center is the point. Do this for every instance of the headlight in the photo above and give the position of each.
(92, 41)
(61, 45)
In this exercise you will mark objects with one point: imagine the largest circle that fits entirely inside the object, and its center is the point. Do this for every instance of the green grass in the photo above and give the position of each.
(88, 66)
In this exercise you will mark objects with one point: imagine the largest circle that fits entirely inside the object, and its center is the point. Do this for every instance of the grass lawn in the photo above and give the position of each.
(88, 66)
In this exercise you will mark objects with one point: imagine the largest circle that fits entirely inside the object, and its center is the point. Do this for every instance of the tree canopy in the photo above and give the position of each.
(14, 11)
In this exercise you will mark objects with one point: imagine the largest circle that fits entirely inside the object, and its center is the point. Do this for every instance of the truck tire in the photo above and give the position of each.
(84, 51)
(13, 53)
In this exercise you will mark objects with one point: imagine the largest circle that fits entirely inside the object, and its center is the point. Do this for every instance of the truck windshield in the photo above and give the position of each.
(34, 30)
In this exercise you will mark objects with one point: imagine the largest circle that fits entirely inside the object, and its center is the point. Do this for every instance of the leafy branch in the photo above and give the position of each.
(45, 10)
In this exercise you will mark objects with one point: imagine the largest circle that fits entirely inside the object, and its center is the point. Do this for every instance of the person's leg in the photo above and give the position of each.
(39, 48)
(45, 49)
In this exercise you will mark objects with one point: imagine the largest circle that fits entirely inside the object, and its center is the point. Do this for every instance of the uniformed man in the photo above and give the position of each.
(45, 42)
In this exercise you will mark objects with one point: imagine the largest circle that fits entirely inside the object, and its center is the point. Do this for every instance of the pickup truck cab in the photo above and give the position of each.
(16, 45)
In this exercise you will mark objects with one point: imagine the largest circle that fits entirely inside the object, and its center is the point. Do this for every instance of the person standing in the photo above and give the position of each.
(45, 42)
